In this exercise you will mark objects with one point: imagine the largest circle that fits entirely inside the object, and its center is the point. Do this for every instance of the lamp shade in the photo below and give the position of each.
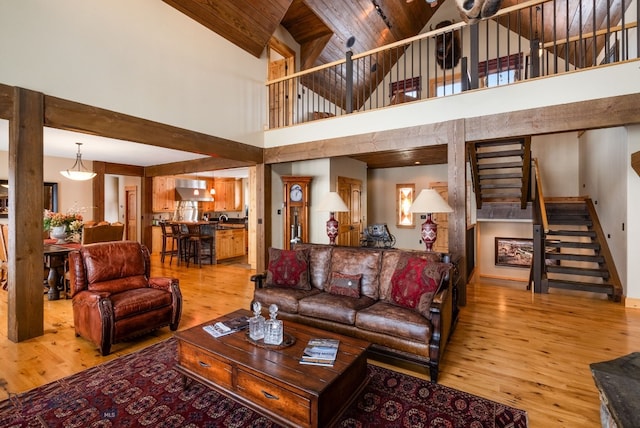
(332, 202)
(78, 171)
(430, 201)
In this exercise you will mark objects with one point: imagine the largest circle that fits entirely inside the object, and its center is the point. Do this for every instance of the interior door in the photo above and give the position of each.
(131, 213)
(281, 94)
(350, 223)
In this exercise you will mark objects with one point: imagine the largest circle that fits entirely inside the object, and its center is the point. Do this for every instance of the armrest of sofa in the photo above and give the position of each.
(259, 279)
(441, 315)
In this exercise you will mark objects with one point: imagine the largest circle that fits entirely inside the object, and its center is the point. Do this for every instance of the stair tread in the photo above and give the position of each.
(575, 257)
(499, 154)
(571, 270)
(503, 165)
(506, 176)
(500, 186)
(584, 286)
(495, 143)
(585, 233)
(570, 244)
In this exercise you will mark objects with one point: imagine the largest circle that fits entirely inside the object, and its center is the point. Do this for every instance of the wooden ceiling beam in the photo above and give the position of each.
(191, 166)
(6, 101)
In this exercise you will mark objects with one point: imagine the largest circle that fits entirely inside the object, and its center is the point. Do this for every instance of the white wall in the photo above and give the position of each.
(632, 225)
(142, 58)
(558, 162)
(382, 198)
(72, 195)
(604, 164)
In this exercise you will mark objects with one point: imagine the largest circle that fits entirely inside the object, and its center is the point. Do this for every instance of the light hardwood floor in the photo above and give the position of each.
(524, 350)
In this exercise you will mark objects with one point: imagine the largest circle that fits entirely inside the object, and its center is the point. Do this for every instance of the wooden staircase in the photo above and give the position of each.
(577, 256)
(501, 170)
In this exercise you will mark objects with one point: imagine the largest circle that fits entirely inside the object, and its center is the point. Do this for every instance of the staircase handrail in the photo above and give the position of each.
(614, 278)
(540, 196)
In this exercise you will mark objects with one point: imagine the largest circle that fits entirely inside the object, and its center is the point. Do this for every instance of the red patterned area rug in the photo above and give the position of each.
(143, 389)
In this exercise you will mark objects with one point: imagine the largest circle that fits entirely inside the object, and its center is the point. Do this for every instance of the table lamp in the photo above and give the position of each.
(333, 203)
(429, 201)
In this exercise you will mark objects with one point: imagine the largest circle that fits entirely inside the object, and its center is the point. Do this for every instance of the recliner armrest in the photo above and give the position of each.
(259, 279)
(162, 283)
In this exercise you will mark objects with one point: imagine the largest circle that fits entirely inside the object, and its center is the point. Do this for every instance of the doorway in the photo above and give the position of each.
(350, 223)
(131, 213)
(281, 64)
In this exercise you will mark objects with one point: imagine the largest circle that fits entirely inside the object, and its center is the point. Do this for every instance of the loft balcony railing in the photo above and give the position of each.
(530, 40)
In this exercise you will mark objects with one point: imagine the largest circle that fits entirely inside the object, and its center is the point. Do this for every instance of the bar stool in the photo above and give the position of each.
(180, 238)
(196, 241)
(167, 235)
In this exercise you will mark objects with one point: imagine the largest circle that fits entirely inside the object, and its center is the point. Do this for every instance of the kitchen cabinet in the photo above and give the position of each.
(230, 243)
(164, 194)
(209, 206)
(228, 194)
(156, 240)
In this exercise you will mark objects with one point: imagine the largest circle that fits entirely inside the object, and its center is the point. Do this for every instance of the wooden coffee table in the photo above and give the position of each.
(271, 380)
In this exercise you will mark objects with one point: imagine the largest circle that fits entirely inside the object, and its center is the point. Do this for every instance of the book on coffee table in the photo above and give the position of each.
(223, 328)
(320, 352)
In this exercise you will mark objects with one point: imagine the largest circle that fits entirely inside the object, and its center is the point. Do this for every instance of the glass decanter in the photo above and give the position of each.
(256, 322)
(273, 328)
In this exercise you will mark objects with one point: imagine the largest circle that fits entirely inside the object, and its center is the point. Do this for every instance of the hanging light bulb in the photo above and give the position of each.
(78, 171)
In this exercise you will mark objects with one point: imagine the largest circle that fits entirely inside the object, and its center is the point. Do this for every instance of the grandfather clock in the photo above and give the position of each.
(296, 210)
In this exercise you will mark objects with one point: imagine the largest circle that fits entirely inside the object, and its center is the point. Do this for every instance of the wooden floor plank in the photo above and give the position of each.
(525, 350)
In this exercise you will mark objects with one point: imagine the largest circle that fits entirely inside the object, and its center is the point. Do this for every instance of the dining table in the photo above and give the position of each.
(55, 259)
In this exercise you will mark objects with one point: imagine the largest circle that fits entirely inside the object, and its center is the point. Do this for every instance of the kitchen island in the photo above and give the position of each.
(229, 237)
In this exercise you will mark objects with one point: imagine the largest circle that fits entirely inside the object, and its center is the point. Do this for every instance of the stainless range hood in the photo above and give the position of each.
(185, 191)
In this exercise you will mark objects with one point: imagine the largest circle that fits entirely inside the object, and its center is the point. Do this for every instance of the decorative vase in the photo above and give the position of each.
(59, 233)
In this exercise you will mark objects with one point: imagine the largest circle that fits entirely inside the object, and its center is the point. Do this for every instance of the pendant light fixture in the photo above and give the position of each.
(78, 171)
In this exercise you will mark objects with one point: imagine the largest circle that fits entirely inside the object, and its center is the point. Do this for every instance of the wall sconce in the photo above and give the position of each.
(78, 171)
(429, 201)
(404, 199)
(333, 203)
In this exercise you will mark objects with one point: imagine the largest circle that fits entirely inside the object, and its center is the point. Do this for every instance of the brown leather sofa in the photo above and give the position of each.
(113, 297)
(405, 332)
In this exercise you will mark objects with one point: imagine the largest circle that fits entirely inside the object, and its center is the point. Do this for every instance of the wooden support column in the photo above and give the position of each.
(263, 215)
(456, 156)
(26, 193)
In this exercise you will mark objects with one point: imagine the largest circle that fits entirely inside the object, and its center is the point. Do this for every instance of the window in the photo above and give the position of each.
(500, 71)
(404, 90)
(447, 84)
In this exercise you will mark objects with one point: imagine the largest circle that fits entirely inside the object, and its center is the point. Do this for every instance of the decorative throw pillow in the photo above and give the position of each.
(289, 268)
(345, 285)
(412, 278)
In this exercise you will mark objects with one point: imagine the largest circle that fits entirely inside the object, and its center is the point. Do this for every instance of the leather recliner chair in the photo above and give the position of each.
(113, 297)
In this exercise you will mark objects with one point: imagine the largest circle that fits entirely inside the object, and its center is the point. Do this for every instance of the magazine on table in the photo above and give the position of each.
(320, 352)
(227, 327)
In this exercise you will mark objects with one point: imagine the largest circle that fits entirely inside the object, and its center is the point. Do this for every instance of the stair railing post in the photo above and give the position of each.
(538, 259)
(349, 79)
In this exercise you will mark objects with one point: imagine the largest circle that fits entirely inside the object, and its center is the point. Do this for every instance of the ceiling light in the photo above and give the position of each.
(78, 171)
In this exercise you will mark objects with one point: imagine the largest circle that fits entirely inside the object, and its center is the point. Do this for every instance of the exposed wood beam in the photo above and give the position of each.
(394, 139)
(26, 140)
(6, 101)
(195, 165)
(456, 186)
(73, 116)
(592, 114)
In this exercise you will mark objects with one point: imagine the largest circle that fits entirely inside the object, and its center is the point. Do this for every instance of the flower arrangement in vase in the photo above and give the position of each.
(64, 227)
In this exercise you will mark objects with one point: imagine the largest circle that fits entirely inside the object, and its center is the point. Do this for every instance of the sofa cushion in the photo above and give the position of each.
(354, 261)
(390, 259)
(288, 268)
(412, 278)
(333, 307)
(345, 285)
(137, 301)
(319, 263)
(286, 298)
(394, 320)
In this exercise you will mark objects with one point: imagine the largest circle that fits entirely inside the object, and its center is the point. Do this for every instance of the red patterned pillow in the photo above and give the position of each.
(412, 278)
(289, 268)
(345, 285)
